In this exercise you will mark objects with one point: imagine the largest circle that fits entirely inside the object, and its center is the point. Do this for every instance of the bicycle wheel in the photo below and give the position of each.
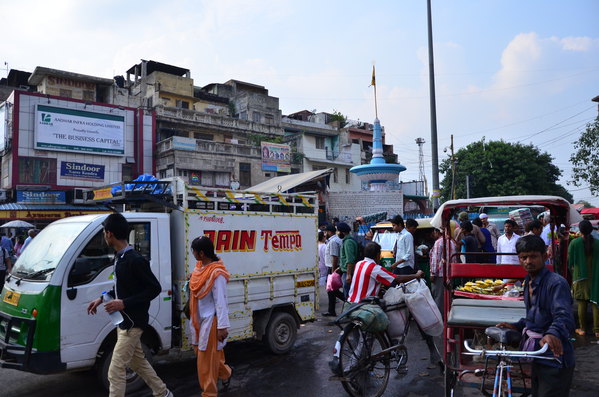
(365, 376)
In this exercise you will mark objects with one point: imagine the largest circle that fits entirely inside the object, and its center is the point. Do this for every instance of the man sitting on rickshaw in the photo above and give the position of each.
(549, 320)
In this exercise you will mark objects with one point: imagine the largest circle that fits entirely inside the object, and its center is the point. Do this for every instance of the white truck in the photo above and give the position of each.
(267, 242)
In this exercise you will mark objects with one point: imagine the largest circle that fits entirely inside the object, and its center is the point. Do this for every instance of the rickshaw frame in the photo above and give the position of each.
(561, 212)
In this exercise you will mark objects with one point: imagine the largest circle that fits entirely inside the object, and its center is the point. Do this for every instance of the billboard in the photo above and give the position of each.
(276, 157)
(37, 171)
(71, 130)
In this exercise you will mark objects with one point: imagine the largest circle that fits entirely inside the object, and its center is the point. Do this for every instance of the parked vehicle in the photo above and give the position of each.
(266, 241)
(468, 314)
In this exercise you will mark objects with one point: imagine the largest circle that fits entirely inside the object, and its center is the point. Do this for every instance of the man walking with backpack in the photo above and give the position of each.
(348, 255)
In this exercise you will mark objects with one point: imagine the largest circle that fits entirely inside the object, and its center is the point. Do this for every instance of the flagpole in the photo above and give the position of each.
(373, 83)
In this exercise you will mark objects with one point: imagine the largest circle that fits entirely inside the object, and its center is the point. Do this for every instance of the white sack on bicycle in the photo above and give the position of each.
(394, 296)
(423, 308)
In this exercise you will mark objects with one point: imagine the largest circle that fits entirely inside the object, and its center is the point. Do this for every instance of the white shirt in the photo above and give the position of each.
(214, 303)
(507, 245)
(546, 234)
(404, 249)
(333, 249)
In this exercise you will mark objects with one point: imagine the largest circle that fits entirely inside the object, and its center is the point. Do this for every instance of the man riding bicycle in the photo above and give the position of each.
(368, 275)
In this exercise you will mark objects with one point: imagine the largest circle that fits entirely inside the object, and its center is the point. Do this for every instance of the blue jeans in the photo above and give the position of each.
(346, 285)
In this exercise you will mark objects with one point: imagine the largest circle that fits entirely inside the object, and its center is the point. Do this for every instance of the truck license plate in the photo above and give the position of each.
(12, 298)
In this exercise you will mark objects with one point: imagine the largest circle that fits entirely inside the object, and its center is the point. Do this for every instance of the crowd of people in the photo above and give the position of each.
(547, 295)
(10, 249)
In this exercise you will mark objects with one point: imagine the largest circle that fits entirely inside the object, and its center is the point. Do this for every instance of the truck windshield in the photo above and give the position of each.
(43, 253)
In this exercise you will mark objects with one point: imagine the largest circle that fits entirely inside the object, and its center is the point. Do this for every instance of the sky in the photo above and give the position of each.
(521, 71)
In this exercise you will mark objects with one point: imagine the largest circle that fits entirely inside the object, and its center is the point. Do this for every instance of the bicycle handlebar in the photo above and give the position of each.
(509, 353)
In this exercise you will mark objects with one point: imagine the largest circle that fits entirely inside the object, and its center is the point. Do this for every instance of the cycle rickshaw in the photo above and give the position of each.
(468, 314)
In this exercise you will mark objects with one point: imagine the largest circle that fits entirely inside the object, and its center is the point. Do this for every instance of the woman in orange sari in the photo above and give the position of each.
(209, 316)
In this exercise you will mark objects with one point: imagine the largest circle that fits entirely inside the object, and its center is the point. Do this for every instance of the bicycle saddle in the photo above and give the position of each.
(503, 335)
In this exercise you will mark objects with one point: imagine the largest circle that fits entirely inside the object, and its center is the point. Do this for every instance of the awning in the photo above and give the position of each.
(282, 184)
(33, 212)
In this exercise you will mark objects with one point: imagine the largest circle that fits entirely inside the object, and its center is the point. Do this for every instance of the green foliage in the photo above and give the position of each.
(498, 168)
(585, 204)
(338, 116)
(257, 139)
(585, 159)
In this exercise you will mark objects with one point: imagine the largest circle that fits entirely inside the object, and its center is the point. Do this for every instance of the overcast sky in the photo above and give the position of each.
(522, 71)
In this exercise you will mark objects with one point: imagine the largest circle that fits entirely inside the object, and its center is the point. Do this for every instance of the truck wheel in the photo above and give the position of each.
(134, 381)
(281, 333)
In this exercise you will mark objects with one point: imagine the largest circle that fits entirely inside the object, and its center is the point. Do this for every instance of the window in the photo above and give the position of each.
(269, 119)
(38, 171)
(347, 176)
(335, 175)
(206, 137)
(139, 238)
(127, 172)
(182, 104)
(319, 142)
(66, 93)
(93, 259)
(256, 117)
(243, 115)
(89, 95)
(245, 174)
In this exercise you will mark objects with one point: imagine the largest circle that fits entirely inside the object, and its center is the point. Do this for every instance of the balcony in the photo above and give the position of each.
(215, 121)
(202, 146)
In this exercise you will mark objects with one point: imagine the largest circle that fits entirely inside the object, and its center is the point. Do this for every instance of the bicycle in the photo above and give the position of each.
(362, 360)
(502, 385)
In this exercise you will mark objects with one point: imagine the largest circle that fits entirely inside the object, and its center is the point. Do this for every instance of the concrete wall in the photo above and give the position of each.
(347, 205)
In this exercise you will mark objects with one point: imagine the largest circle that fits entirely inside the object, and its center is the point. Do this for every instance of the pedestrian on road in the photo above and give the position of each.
(507, 244)
(31, 233)
(491, 227)
(322, 268)
(583, 262)
(549, 320)
(488, 246)
(437, 263)
(403, 249)
(331, 259)
(209, 316)
(135, 287)
(5, 266)
(348, 255)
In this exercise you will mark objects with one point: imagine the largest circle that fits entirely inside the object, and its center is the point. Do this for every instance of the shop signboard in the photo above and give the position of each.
(72, 130)
(41, 197)
(70, 169)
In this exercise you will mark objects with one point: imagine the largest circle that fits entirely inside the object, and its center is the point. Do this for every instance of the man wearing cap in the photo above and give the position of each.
(491, 227)
(348, 255)
(476, 232)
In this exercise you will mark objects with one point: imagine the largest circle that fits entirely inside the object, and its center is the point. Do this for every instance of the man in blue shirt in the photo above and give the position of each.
(549, 318)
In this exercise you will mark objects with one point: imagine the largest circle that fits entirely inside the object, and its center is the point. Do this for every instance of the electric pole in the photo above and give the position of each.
(454, 160)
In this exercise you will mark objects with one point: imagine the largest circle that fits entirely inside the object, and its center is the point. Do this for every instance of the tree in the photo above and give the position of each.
(585, 159)
(585, 204)
(340, 117)
(499, 168)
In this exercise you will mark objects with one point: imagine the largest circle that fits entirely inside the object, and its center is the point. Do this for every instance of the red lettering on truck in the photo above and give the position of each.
(281, 240)
(232, 240)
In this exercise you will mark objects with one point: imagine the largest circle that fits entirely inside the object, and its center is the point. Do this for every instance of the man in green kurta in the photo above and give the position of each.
(583, 261)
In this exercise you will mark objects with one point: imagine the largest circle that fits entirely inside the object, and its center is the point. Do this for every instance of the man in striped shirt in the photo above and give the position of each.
(368, 275)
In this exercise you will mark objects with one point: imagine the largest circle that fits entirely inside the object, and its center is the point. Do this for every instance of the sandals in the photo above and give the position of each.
(580, 332)
(227, 382)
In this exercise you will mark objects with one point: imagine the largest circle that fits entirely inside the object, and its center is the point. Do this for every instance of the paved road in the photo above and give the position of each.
(301, 373)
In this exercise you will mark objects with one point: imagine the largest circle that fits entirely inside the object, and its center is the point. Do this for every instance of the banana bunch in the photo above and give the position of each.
(482, 287)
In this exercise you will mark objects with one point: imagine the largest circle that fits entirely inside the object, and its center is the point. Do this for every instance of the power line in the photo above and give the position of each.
(556, 124)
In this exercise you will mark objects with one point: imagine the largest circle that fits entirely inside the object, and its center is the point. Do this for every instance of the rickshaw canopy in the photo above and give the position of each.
(560, 209)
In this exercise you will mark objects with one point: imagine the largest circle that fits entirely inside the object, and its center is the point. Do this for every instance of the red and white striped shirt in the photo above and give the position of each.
(367, 280)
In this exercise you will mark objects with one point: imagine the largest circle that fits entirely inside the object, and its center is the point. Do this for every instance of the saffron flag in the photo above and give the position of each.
(373, 82)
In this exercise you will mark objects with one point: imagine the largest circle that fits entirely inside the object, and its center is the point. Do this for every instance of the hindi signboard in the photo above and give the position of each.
(276, 157)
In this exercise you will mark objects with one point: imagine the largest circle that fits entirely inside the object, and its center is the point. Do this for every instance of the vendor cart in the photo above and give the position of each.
(467, 314)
